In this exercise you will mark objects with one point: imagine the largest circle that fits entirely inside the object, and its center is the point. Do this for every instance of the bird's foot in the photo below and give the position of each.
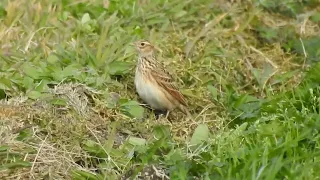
(159, 113)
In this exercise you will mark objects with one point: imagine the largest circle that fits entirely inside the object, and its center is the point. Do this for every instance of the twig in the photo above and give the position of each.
(32, 35)
(38, 152)
(304, 53)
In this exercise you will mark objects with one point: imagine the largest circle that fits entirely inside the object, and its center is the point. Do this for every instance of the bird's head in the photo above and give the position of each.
(145, 48)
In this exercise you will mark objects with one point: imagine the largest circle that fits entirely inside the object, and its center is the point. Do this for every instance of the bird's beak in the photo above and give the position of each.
(132, 44)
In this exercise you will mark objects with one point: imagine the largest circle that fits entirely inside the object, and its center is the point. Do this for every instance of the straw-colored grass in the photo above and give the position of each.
(69, 109)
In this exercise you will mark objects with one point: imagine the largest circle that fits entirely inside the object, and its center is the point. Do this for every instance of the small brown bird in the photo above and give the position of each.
(154, 84)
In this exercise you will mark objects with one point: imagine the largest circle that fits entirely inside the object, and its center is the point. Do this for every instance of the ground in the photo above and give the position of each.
(249, 70)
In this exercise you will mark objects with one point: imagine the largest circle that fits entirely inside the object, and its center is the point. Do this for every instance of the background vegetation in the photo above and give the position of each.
(249, 69)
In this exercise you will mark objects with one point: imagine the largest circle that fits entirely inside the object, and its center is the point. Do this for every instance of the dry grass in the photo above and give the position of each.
(51, 117)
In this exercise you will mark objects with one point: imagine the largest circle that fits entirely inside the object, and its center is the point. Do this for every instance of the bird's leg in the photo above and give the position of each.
(167, 115)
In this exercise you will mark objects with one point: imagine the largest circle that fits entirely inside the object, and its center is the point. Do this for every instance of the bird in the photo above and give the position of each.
(154, 84)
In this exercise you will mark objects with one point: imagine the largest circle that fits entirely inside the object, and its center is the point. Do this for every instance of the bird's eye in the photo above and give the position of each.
(142, 44)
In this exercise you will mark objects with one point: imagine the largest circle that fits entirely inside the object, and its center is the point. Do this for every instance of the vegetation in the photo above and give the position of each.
(249, 69)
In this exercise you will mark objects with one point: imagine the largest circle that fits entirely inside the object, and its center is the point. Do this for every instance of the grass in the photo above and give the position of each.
(249, 69)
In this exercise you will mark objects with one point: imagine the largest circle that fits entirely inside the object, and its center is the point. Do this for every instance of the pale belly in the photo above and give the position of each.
(151, 94)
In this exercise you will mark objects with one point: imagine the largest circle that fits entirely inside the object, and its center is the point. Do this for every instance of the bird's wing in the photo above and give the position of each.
(165, 80)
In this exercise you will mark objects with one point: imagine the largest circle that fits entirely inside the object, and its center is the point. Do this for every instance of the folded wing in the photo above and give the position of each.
(165, 80)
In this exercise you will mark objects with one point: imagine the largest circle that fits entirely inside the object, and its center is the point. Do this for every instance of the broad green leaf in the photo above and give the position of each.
(200, 134)
(42, 86)
(83, 175)
(161, 131)
(17, 164)
(111, 137)
(58, 101)
(133, 109)
(136, 111)
(64, 16)
(26, 133)
(2, 94)
(85, 18)
(31, 71)
(28, 82)
(71, 70)
(175, 155)
(180, 14)
(57, 75)
(313, 73)
(5, 84)
(271, 129)
(269, 34)
(94, 149)
(241, 100)
(119, 67)
(34, 94)
(4, 148)
(54, 71)
(315, 17)
(262, 76)
(284, 77)
(213, 91)
(240, 129)
(52, 59)
(137, 141)
(310, 46)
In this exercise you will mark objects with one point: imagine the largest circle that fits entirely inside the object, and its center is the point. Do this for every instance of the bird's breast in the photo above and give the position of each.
(150, 91)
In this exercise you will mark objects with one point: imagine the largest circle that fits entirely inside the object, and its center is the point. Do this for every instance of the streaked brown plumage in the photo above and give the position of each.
(153, 83)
